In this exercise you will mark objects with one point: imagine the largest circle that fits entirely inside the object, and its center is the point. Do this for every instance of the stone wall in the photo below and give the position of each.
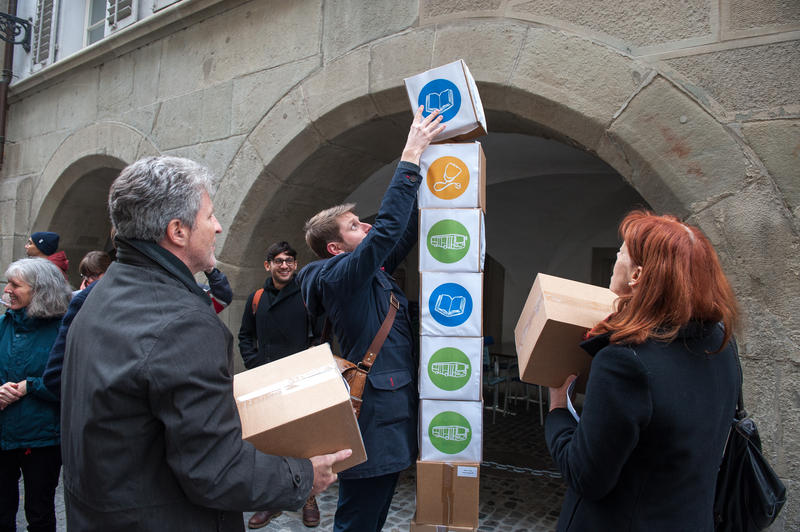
(696, 103)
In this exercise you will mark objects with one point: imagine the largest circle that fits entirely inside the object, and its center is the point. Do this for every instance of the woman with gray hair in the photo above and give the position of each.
(36, 296)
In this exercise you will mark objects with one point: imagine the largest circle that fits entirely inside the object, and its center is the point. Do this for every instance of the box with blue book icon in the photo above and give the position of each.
(451, 90)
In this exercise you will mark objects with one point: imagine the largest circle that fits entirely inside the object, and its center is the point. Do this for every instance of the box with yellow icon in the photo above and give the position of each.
(454, 177)
(451, 90)
(451, 240)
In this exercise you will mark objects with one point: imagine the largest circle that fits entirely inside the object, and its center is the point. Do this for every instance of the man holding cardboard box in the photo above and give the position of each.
(353, 285)
(151, 438)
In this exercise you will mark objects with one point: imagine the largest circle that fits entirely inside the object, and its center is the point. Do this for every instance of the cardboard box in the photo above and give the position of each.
(452, 240)
(448, 493)
(299, 406)
(450, 368)
(455, 177)
(421, 527)
(451, 431)
(451, 89)
(451, 304)
(555, 319)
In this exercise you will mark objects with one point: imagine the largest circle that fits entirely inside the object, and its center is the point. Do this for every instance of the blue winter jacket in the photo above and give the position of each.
(25, 344)
(353, 288)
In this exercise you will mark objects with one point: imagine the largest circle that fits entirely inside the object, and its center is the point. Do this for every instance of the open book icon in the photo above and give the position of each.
(450, 306)
(439, 100)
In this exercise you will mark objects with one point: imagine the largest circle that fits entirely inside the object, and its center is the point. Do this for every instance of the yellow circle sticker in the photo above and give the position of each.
(448, 177)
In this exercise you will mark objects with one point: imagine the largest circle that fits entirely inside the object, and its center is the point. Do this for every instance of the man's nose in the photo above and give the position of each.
(366, 227)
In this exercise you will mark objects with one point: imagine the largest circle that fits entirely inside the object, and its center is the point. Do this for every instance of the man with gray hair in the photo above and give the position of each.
(151, 438)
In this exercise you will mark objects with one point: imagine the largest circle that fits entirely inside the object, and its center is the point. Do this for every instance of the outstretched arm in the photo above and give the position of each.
(398, 205)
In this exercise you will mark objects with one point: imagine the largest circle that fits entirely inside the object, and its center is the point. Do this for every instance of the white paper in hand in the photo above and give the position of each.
(570, 406)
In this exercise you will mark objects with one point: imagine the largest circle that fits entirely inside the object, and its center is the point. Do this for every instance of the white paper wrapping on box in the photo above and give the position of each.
(451, 304)
(450, 368)
(451, 431)
(452, 240)
(452, 176)
(451, 89)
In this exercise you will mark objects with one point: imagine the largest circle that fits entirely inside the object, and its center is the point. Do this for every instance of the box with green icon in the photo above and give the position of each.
(451, 431)
(454, 177)
(450, 368)
(452, 240)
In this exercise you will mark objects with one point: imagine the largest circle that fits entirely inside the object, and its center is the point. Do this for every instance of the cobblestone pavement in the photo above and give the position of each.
(517, 493)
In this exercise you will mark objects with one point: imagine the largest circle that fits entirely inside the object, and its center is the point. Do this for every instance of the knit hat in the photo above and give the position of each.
(46, 241)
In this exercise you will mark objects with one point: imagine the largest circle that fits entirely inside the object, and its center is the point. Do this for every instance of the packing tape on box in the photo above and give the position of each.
(292, 384)
(447, 493)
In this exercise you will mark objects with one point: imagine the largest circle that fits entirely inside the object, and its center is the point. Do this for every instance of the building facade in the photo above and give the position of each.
(690, 107)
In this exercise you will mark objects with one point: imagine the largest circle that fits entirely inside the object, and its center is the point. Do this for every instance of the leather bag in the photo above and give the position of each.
(356, 374)
(749, 494)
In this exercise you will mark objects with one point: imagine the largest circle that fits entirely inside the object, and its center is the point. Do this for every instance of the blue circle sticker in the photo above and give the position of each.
(450, 304)
(440, 94)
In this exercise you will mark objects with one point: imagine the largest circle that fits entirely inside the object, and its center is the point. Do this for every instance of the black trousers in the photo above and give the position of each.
(40, 467)
(364, 503)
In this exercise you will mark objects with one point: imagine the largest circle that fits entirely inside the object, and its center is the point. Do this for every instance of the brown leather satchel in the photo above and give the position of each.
(356, 374)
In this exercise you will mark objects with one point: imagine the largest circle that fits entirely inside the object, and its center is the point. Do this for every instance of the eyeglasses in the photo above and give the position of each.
(289, 262)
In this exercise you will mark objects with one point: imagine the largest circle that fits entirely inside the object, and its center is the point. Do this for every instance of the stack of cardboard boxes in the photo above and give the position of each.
(452, 246)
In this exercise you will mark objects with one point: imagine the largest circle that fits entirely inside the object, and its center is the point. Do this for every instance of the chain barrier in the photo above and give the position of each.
(524, 470)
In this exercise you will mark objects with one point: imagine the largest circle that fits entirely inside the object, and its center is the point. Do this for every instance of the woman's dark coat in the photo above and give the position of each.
(645, 454)
(25, 344)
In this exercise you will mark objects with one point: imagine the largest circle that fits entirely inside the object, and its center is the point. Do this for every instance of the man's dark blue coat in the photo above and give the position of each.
(353, 288)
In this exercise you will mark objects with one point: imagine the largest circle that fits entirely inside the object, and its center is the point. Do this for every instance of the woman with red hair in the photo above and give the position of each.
(662, 389)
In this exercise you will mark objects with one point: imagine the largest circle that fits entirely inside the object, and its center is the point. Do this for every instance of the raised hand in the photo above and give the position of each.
(422, 132)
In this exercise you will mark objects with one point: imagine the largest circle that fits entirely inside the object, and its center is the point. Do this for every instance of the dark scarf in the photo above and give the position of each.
(163, 258)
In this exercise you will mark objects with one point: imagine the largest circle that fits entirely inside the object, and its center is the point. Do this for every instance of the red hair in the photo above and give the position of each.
(681, 280)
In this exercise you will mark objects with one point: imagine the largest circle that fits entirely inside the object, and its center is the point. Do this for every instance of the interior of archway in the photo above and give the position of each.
(552, 207)
(81, 218)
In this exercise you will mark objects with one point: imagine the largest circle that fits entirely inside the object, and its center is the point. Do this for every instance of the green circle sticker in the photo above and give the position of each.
(449, 369)
(450, 432)
(448, 241)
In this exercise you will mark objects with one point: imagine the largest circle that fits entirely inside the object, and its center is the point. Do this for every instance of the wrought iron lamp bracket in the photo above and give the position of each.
(12, 27)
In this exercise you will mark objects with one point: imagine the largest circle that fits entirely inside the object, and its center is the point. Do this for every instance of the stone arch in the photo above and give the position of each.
(99, 145)
(532, 79)
(316, 143)
(71, 194)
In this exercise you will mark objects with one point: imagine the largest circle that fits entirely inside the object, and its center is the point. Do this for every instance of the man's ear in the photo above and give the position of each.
(177, 233)
(266, 265)
(334, 248)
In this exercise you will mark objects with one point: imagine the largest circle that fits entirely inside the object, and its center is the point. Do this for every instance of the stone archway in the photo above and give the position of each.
(100, 145)
(71, 195)
(315, 144)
